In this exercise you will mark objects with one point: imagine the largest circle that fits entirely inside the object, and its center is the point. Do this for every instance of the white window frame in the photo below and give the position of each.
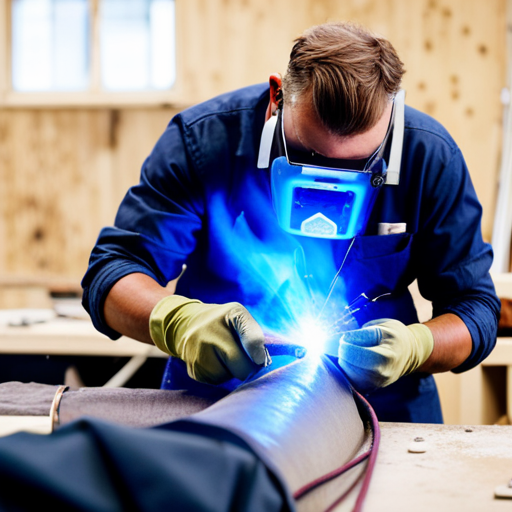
(95, 96)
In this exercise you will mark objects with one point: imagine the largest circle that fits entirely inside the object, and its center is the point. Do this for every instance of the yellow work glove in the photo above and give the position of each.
(382, 351)
(216, 341)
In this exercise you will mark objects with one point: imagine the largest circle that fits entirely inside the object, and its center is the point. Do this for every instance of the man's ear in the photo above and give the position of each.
(276, 94)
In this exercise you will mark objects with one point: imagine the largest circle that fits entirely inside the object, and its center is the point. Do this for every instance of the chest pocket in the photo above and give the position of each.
(379, 264)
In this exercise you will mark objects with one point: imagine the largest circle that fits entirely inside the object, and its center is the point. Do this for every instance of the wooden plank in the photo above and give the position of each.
(69, 337)
(56, 189)
(33, 424)
(449, 388)
(501, 355)
(459, 470)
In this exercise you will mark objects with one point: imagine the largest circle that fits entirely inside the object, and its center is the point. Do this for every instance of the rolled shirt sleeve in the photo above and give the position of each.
(454, 261)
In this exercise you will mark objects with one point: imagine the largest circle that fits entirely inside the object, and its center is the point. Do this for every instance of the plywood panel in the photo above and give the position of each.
(63, 172)
(54, 185)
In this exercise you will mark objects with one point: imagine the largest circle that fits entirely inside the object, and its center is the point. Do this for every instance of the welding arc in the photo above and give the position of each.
(370, 454)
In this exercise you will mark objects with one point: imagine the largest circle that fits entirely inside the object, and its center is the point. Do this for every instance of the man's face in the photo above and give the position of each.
(305, 132)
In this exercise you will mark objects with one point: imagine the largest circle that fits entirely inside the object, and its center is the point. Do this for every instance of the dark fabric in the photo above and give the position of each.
(93, 370)
(91, 465)
(133, 407)
(202, 201)
(26, 399)
(405, 400)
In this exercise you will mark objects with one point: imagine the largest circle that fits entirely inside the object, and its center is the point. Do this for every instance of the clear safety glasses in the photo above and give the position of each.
(328, 198)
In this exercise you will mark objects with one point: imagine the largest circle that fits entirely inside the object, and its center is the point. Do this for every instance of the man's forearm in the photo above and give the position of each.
(452, 344)
(129, 304)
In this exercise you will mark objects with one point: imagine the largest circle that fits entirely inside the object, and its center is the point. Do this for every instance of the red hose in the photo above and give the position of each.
(370, 454)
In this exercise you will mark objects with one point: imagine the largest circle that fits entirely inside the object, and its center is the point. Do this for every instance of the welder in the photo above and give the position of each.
(291, 199)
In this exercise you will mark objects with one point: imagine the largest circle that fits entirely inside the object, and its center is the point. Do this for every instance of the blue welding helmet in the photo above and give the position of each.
(323, 197)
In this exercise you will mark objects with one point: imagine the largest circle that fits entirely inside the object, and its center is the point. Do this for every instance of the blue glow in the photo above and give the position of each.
(282, 279)
(285, 403)
(321, 203)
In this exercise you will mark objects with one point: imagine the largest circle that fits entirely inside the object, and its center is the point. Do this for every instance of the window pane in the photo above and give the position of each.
(137, 44)
(163, 51)
(50, 40)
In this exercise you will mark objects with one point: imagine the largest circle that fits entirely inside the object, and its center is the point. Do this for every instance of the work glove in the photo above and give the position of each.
(216, 341)
(382, 351)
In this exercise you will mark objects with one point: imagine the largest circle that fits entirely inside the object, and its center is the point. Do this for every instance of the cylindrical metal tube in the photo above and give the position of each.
(303, 418)
(299, 415)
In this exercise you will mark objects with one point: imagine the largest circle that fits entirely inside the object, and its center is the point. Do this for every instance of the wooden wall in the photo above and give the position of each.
(63, 171)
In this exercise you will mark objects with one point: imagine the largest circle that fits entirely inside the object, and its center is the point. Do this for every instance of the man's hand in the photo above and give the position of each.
(383, 351)
(217, 341)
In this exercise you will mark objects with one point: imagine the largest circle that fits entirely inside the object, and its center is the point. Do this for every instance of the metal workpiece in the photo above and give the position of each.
(302, 417)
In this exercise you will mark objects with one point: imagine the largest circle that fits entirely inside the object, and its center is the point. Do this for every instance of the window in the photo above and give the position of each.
(136, 44)
(99, 51)
(49, 42)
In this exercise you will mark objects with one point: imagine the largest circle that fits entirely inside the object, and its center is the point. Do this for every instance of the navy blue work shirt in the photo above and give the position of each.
(202, 201)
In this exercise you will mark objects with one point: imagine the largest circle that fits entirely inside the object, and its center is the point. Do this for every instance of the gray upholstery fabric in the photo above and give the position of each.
(132, 407)
(26, 399)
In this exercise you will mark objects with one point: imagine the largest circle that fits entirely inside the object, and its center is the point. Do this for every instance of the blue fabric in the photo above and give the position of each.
(412, 399)
(202, 201)
(92, 465)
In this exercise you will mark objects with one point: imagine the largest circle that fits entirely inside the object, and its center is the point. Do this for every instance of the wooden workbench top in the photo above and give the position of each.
(458, 472)
(55, 335)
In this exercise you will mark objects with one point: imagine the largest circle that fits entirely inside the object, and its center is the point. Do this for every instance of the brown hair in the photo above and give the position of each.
(350, 73)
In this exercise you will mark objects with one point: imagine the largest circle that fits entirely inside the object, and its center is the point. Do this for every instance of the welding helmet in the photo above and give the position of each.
(323, 197)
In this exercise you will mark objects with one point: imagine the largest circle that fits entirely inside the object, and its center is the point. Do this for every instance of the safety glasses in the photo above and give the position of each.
(373, 164)
(328, 198)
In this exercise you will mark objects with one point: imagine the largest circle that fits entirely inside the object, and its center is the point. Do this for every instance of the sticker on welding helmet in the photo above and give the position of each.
(318, 225)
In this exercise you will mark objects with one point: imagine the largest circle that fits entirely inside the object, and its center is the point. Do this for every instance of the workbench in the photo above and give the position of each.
(55, 335)
(460, 469)
(44, 332)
